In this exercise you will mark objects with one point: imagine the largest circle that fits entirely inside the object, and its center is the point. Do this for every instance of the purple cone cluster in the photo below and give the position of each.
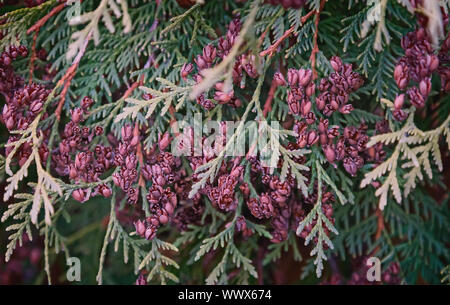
(74, 159)
(282, 203)
(19, 112)
(163, 170)
(334, 90)
(347, 145)
(337, 87)
(415, 68)
(23, 103)
(9, 81)
(223, 196)
(213, 54)
(126, 159)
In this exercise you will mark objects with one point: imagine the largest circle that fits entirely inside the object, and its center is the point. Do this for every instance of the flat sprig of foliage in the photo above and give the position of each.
(140, 41)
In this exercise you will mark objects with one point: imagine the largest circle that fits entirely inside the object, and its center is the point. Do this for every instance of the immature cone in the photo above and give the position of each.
(323, 125)
(78, 195)
(329, 153)
(425, 86)
(350, 166)
(320, 102)
(164, 141)
(279, 79)
(105, 190)
(416, 97)
(86, 103)
(346, 109)
(310, 89)
(336, 63)
(305, 107)
(399, 100)
(186, 70)
(294, 106)
(304, 77)
(401, 76)
(312, 138)
(292, 77)
(399, 115)
(262, 208)
(140, 227)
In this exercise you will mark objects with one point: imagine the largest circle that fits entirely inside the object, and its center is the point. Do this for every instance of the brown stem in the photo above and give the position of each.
(273, 48)
(173, 121)
(37, 26)
(33, 56)
(263, 35)
(133, 87)
(140, 156)
(380, 224)
(315, 49)
(67, 78)
(268, 103)
(380, 228)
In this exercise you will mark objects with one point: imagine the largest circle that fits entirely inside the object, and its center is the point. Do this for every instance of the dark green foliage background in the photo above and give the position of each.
(417, 230)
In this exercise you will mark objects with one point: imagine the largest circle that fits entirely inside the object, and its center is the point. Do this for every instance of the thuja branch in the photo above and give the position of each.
(118, 104)
(315, 49)
(45, 181)
(214, 75)
(175, 21)
(274, 47)
(319, 226)
(208, 170)
(99, 277)
(268, 103)
(157, 97)
(242, 212)
(32, 57)
(36, 28)
(418, 157)
(92, 30)
(67, 78)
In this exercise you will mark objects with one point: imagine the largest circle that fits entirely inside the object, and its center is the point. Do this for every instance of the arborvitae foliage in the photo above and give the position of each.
(99, 96)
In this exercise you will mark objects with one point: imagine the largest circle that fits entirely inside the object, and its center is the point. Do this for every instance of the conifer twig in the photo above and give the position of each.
(268, 103)
(37, 26)
(273, 48)
(70, 73)
(315, 49)
(380, 223)
(380, 228)
(173, 121)
(32, 57)
(140, 156)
